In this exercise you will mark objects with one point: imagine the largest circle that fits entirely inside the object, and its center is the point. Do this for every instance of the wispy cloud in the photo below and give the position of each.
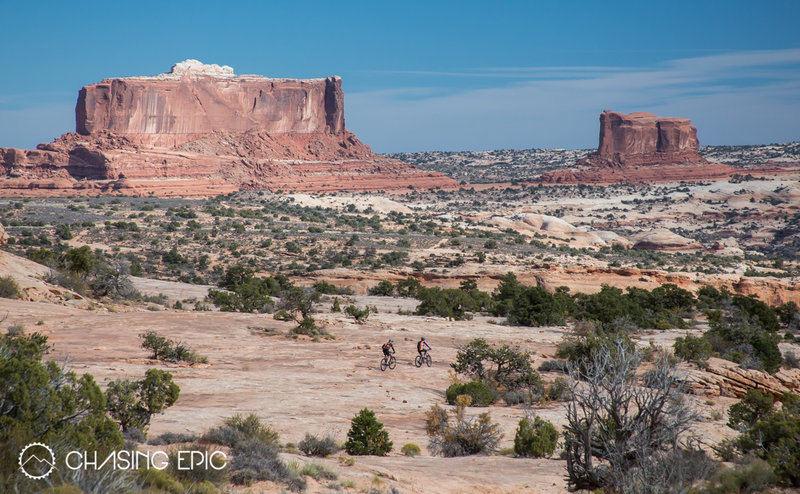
(741, 97)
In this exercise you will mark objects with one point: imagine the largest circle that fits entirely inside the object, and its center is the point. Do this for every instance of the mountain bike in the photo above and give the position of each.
(420, 359)
(389, 362)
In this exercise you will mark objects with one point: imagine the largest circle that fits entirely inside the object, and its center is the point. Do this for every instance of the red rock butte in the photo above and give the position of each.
(201, 130)
(641, 147)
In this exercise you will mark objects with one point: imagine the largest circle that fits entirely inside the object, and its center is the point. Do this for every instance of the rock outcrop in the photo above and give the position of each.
(641, 147)
(202, 130)
(725, 378)
(663, 240)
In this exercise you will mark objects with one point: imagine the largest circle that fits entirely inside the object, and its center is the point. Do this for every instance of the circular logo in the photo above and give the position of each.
(37, 461)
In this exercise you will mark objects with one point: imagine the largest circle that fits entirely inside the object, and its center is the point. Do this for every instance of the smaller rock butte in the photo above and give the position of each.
(201, 130)
(641, 147)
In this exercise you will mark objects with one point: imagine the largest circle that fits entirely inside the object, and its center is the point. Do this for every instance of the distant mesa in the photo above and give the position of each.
(642, 147)
(202, 130)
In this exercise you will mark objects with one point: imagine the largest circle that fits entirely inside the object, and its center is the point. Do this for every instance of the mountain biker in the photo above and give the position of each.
(387, 347)
(422, 347)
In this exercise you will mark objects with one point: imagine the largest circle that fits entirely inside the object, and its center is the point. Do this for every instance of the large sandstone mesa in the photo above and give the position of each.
(641, 147)
(201, 130)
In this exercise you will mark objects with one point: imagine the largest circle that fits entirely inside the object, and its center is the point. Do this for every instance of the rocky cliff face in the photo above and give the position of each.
(641, 147)
(202, 124)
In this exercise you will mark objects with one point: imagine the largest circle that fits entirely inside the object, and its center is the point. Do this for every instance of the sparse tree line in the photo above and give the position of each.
(742, 328)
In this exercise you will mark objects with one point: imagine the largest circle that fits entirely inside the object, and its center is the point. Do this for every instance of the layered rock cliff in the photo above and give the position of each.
(203, 130)
(641, 147)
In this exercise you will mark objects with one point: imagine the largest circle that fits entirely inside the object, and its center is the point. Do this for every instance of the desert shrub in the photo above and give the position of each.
(775, 437)
(743, 333)
(113, 282)
(308, 327)
(384, 289)
(238, 428)
(580, 349)
(318, 472)
(507, 366)
(553, 366)
(254, 461)
(358, 315)
(160, 481)
(791, 361)
(459, 435)
(367, 436)
(133, 403)
(515, 397)
(313, 445)
(745, 413)
(172, 438)
(754, 476)
(9, 288)
(410, 449)
(168, 350)
(692, 349)
(535, 439)
(215, 473)
(559, 390)
(480, 393)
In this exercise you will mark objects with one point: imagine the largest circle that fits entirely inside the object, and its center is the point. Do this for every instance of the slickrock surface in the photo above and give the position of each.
(201, 130)
(642, 147)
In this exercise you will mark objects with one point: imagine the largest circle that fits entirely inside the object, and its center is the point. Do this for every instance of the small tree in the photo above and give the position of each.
(133, 403)
(359, 315)
(692, 349)
(506, 366)
(367, 436)
(535, 439)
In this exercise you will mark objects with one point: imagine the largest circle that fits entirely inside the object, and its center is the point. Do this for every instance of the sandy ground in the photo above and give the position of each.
(301, 386)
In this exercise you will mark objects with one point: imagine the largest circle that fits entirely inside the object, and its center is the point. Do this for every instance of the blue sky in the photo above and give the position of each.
(433, 75)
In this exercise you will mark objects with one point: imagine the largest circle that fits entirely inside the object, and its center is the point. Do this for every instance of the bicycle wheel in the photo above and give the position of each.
(392, 363)
(383, 364)
(418, 361)
(428, 360)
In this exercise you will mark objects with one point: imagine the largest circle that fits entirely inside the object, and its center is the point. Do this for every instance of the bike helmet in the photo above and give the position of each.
(391, 340)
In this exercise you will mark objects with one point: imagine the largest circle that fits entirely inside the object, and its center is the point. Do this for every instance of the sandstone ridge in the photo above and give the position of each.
(202, 130)
(642, 147)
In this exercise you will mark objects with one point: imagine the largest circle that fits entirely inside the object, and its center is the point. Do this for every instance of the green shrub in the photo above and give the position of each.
(410, 449)
(384, 289)
(480, 393)
(535, 440)
(367, 436)
(318, 472)
(160, 481)
(9, 288)
(754, 476)
(692, 349)
(359, 315)
(133, 403)
(239, 428)
(744, 414)
(168, 350)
